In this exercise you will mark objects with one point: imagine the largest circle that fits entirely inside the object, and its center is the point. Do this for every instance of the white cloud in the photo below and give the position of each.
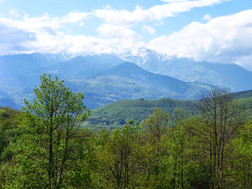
(122, 17)
(81, 24)
(39, 34)
(13, 13)
(174, 1)
(224, 39)
(118, 31)
(171, 9)
(46, 21)
(155, 13)
(119, 23)
(42, 34)
(124, 35)
(13, 38)
(206, 17)
(75, 17)
(149, 29)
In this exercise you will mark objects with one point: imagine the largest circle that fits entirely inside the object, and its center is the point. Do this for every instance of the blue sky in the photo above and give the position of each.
(205, 30)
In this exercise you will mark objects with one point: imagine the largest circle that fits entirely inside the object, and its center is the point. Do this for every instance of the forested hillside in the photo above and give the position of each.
(43, 146)
(118, 113)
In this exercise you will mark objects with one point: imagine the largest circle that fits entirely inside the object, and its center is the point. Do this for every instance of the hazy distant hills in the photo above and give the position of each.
(19, 74)
(6, 100)
(82, 67)
(224, 75)
(129, 81)
(105, 78)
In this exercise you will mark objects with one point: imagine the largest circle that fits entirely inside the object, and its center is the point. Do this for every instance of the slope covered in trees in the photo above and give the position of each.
(118, 113)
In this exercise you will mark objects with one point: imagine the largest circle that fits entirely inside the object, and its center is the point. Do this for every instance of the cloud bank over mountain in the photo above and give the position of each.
(224, 39)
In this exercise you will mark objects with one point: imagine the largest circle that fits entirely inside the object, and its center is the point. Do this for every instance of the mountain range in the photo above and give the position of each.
(230, 76)
(107, 78)
(129, 81)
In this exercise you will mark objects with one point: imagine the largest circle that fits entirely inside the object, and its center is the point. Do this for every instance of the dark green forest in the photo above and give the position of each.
(46, 146)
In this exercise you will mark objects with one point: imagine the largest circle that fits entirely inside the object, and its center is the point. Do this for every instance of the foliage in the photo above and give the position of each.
(241, 151)
(44, 153)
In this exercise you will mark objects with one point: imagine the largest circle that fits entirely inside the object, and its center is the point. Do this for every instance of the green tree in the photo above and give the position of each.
(44, 153)
(8, 133)
(220, 119)
(177, 146)
(153, 149)
(118, 158)
(241, 158)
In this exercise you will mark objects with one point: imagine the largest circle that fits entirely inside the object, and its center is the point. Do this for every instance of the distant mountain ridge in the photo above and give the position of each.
(223, 75)
(19, 74)
(129, 81)
(84, 66)
(103, 79)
